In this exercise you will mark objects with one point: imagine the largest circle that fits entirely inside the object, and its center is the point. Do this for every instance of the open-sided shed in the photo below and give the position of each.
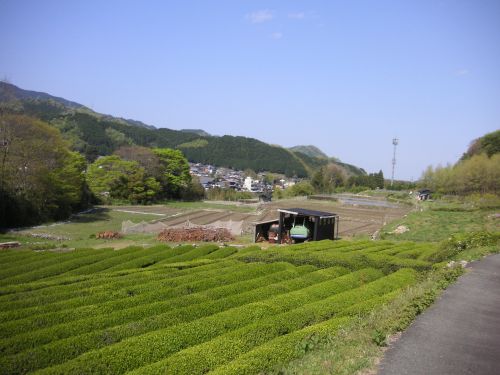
(317, 225)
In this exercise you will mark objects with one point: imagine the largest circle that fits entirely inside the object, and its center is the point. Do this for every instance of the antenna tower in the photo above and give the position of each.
(395, 142)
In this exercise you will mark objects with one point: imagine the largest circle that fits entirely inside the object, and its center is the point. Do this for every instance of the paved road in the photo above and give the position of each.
(459, 334)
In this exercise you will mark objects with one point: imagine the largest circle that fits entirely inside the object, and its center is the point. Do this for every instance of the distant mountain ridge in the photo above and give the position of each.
(94, 134)
(9, 91)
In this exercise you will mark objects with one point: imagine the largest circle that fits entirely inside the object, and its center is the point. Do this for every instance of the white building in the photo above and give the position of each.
(247, 185)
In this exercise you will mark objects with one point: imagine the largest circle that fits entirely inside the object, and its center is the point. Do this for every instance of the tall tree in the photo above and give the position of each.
(174, 172)
(110, 177)
(146, 158)
(34, 162)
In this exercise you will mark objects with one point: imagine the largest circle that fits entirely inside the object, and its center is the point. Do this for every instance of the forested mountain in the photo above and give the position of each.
(94, 134)
(310, 150)
(199, 132)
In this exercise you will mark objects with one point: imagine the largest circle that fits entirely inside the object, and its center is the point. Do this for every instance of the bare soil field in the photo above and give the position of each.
(354, 220)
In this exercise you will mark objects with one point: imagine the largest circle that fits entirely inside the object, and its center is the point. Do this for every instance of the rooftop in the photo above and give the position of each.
(305, 212)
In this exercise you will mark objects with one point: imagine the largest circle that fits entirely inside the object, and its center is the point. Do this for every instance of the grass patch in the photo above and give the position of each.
(206, 204)
(78, 231)
(438, 225)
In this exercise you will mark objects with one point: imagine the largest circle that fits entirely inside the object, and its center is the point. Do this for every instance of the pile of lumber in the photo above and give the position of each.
(9, 245)
(197, 234)
(108, 235)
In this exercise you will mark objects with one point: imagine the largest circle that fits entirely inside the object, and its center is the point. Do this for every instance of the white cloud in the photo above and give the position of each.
(461, 72)
(297, 16)
(277, 35)
(260, 16)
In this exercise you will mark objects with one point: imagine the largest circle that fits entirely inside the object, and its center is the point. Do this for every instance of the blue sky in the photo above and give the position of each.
(346, 76)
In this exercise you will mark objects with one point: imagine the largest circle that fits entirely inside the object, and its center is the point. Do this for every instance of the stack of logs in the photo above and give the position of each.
(195, 234)
(108, 235)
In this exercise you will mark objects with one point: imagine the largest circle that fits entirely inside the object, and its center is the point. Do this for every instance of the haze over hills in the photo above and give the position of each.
(200, 132)
(310, 150)
(94, 134)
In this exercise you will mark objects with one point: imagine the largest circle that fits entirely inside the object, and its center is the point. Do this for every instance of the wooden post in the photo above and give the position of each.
(280, 229)
(317, 222)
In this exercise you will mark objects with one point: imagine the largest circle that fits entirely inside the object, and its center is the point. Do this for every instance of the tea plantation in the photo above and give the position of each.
(191, 310)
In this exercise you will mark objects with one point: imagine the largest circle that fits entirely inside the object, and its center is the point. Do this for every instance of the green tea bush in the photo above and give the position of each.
(63, 350)
(178, 309)
(186, 285)
(140, 350)
(39, 295)
(198, 359)
(280, 350)
(72, 261)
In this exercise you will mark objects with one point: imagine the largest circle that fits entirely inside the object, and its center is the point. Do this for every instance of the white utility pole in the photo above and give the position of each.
(395, 142)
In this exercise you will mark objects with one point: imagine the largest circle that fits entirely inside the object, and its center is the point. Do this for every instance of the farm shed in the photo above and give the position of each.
(423, 195)
(298, 225)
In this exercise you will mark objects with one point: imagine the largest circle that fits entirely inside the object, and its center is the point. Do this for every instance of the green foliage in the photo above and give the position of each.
(40, 179)
(372, 181)
(110, 177)
(174, 172)
(300, 189)
(477, 174)
(94, 135)
(489, 144)
(197, 309)
(311, 151)
(328, 178)
(197, 143)
(218, 194)
(359, 256)
(464, 241)
(194, 190)
(117, 138)
(227, 347)
(242, 153)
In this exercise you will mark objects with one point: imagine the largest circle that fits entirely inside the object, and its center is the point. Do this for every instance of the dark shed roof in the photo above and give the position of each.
(302, 211)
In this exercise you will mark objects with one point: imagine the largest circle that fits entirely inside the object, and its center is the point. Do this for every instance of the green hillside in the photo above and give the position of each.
(310, 150)
(94, 134)
(200, 132)
(488, 144)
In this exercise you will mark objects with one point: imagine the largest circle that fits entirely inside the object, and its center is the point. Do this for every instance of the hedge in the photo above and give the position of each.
(140, 350)
(282, 349)
(135, 296)
(225, 348)
(194, 301)
(60, 351)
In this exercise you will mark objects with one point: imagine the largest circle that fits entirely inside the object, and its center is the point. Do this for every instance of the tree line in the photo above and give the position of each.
(477, 171)
(330, 179)
(41, 179)
(476, 174)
